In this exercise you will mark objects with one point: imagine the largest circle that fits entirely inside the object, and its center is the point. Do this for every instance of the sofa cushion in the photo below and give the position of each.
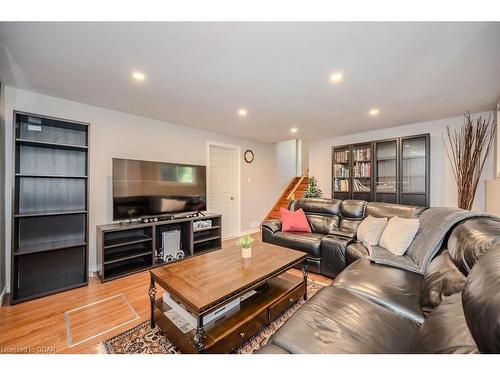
(381, 255)
(302, 241)
(481, 301)
(322, 206)
(352, 213)
(388, 210)
(445, 330)
(323, 224)
(355, 251)
(294, 221)
(393, 288)
(398, 234)
(370, 230)
(348, 228)
(471, 239)
(335, 320)
(442, 279)
(353, 208)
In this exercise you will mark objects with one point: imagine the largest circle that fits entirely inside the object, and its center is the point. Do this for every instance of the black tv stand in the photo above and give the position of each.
(126, 249)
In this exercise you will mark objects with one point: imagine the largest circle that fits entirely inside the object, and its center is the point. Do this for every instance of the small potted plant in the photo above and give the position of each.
(246, 243)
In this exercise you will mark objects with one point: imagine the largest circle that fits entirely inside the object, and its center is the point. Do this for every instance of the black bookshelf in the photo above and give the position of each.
(50, 206)
(393, 170)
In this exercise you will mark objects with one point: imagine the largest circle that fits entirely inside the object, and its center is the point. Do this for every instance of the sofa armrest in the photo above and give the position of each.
(274, 225)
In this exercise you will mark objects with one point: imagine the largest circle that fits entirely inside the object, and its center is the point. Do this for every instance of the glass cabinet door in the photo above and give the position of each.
(386, 167)
(413, 165)
(341, 172)
(362, 171)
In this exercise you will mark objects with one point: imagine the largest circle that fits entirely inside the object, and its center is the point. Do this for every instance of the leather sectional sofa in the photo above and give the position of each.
(332, 244)
(452, 307)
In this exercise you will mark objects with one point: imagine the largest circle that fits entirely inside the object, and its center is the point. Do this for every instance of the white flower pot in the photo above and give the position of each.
(246, 252)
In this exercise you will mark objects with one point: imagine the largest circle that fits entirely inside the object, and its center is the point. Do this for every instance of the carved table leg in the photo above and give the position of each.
(305, 273)
(200, 335)
(152, 296)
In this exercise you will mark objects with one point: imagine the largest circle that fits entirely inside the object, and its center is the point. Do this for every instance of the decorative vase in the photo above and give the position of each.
(246, 252)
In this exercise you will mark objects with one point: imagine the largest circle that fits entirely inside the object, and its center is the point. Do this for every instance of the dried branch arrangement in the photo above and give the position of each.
(467, 151)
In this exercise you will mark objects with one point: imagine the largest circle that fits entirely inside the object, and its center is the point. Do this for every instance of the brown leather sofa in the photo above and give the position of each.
(373, 308)
(332, 244)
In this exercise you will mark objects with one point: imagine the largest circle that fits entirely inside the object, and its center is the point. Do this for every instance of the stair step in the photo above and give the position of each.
(283, 200)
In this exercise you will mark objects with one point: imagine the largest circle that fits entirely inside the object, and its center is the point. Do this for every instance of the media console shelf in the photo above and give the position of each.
(124, 249)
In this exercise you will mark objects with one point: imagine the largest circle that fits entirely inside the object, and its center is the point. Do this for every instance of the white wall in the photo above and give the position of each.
(286, 162)
(3, 254)
(493, 186)
(117, 134)
(304, 157)
(443, 187)
(497, 142)
(292, 160)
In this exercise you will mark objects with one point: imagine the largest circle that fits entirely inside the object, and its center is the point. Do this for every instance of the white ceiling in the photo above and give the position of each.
(199, 74)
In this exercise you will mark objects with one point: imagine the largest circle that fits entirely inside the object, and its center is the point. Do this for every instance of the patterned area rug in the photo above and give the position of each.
(143, 340)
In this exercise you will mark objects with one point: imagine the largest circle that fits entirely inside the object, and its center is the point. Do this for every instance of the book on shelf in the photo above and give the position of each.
(341, 156)
(339, 170)
(358, 186)
(362, 169)
(341, 185)
(362, 154)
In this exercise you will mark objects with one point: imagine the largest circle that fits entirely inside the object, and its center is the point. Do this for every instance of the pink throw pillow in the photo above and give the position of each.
(294, 221)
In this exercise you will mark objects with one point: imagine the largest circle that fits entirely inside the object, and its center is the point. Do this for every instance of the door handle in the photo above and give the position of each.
(232, 198)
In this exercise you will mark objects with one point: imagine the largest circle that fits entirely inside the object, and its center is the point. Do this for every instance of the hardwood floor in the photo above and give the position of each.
(40, 326)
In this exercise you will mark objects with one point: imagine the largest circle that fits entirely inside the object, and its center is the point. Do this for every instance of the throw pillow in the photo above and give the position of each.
(399, 234)
(294, 221)
(370, 230)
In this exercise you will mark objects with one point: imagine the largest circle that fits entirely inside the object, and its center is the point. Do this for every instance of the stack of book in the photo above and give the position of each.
(340, 170)
(341, 185)
(362, 170)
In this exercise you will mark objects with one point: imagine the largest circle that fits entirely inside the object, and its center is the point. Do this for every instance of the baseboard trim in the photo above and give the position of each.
(250, 231)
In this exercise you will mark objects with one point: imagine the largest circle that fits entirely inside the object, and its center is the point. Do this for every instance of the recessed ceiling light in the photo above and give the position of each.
(242, 112)
(374, 112)
(336, 77)
(294, 130)
(138, 76)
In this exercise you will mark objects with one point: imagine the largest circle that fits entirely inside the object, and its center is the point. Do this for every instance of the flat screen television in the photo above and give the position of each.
(150, 188)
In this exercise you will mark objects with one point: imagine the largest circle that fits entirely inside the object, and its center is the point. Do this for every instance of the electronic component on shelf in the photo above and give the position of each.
(202, 224)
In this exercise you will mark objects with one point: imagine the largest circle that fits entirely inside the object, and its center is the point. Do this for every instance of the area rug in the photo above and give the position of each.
(143, 340)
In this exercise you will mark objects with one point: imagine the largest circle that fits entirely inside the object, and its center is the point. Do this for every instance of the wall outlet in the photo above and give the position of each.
(255, 224)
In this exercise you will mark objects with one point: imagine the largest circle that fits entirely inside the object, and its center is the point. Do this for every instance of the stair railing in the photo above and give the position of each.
(291, 196)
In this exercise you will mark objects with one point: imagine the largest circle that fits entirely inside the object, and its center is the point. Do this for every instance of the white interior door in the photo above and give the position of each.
(222, 187)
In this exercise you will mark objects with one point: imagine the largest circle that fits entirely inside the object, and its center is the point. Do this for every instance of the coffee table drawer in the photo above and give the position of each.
(240, 334)
(285, 302)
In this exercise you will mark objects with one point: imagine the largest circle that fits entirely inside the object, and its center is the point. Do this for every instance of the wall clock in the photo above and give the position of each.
(249, 156)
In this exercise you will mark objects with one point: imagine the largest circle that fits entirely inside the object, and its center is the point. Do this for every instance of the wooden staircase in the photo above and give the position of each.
(295, 190)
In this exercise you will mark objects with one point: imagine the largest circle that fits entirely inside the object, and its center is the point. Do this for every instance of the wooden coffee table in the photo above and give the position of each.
(206, 282)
